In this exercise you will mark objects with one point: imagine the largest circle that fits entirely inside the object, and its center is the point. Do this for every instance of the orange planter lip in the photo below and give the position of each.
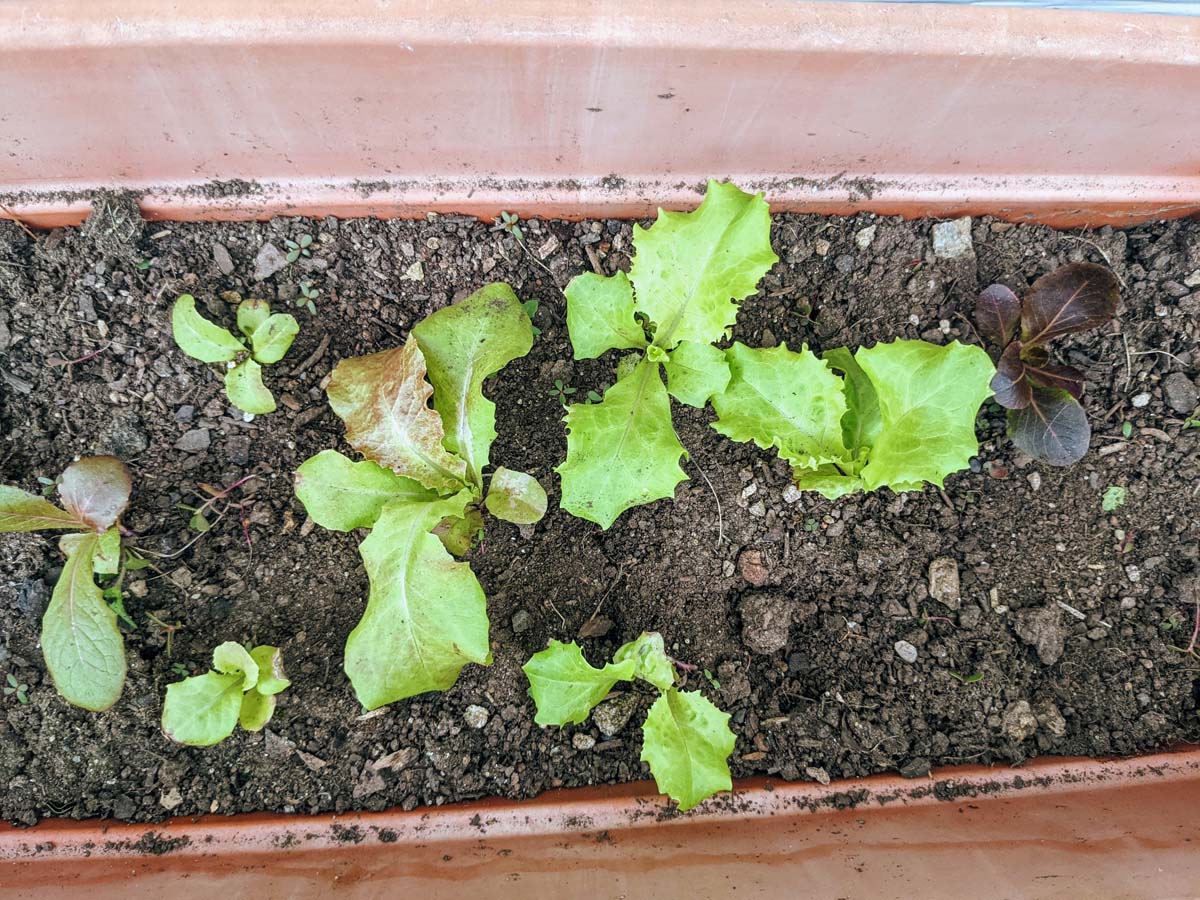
(1053, 828)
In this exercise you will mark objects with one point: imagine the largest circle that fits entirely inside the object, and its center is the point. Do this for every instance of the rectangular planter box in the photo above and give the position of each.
(230, 109)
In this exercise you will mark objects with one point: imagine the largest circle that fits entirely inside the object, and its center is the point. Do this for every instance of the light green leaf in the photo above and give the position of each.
(426, 616)
(686, 741)
(623, 451)
(256, 710)
(22, 511)
(689, 268)
(273, 338)
(251, 314)
(650, 656)
(827, 481)
(202, 710)
(862, 422)
(928, 399)
(1113, 499)
(600, 315)
(383, 399)
(516, 497)
(96, 489)
(696, 373)
(779, 398)
(565, 687)
(464, 344)
(200, 338)
(271, 677)
(459, 534)
(81, 642)
(245, 389)
(343, 495)
(231, 658)
(107, 560)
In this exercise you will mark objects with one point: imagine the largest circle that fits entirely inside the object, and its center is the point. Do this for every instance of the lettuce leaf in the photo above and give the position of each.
(565, 686)
(686, 741)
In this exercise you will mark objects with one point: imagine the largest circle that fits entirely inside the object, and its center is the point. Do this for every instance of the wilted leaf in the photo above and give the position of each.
(231, 658)
(621, 452)
(464, 344)
(997, 314)
(256, 710)
(1074, 297)
(1113, 499)
(1009, 384)
(383, 399)
(600, 315)
(459, 534)
(1053, 428)
(271, 677)
(515, 497)
(245, 389)
(690, 268)
(202, 710)
(565, 687)
(22, 511)
(96, 490)
(426, 616)
(696, 373)
(343, 495)
(273, 338)
(686, 741)
(200, 338)
(650, 659)
(81, 642)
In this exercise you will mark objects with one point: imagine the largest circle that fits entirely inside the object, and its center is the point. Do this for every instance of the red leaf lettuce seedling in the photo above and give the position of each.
(266, 337)
(1045, 418)
(420, 490)
(203, 710)
(81, 643)
(685, 739)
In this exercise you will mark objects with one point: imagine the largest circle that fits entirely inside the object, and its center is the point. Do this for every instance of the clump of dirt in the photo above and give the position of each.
(1061, 640)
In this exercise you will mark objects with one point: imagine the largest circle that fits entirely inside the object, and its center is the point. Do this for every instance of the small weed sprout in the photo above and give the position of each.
(299, 247)
(17, 689)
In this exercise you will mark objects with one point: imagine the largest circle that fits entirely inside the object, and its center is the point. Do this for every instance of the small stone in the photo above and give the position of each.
(195, 441)
(521, 621)
(906, 651)
(222, 258)
(1035, 480)
(1043, 629)
(766, 621)
(1128, 603)
(944, 582)
(752, 567)
(970, 617)
(185, 413)
(791, 494)
(728, 568)
(757, 509)
(1141, 401)
(170, 799)
(1019, 723)
(1181, 394)
(397, 760)
(475, 716)
(821, 247)
(370, 782)
(952, 240)
(1050, 719)
(864, 236)
(613, 715)
(547, 247)
(817, 774)
(414, 272)
(844, 263)
(581, 740)
(1133, 573)
(915, 768)
(270, 259)
(1193, 280)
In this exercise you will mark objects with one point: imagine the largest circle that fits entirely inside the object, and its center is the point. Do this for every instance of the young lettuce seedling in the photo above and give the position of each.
(81, 643)
(203, 710)
(1045, 418)
(685, 739)
(900, 415)
(266, 337)
(688, 272)
(421, 491)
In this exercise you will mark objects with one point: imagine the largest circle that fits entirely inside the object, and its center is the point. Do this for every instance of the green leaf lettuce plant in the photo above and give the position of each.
(240, 690)
(680, 297)
(686, 740)
(81, 642)
(265, 338)
(421, 488)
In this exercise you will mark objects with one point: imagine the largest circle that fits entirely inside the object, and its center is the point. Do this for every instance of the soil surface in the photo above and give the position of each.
(1059, 639)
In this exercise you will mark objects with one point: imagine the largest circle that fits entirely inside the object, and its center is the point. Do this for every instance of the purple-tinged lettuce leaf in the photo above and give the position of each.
(1009, 384)
(1068, 378)
(1074, 297)
(997, 314)
(96, 491)
(1052, 428)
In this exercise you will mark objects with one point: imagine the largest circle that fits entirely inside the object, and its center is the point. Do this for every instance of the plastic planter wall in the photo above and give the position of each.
(226, 109)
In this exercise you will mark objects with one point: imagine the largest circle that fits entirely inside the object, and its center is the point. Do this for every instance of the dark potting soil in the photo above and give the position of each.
(1059, 639)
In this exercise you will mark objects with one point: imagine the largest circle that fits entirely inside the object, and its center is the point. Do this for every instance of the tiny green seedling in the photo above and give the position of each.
(422, 490)
(203, 710)
(265, 339)
(17, 689)
(1127, 429)
(308, 297)
(561, 391)
(509, 224)
(81, 642)
(299, 247)
(531, 308)
(686, 740)
(966, 679)
(1113, 499)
